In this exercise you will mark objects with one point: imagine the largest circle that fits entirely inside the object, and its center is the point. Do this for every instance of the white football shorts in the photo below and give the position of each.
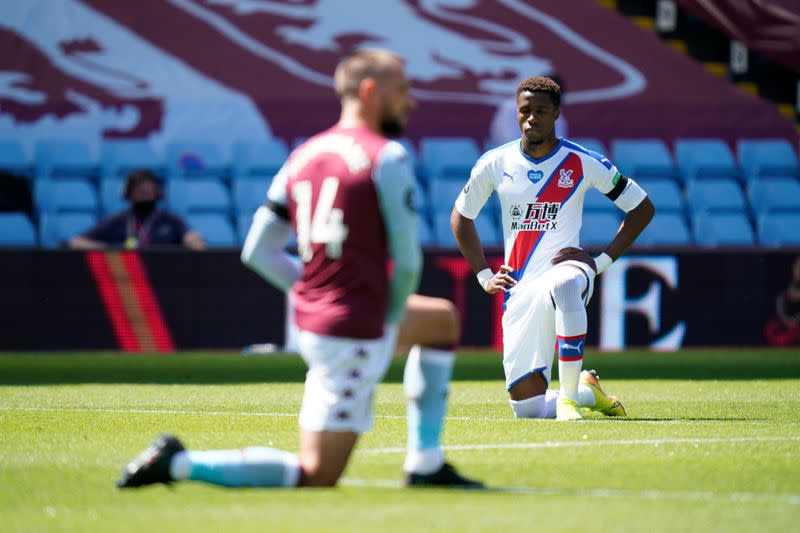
(341, 379)
(529, 323)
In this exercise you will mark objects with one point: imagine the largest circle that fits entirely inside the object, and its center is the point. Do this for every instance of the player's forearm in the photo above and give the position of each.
(468, 241)
(634, 223)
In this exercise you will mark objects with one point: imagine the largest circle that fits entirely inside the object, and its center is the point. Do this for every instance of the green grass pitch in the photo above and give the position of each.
(712, 443)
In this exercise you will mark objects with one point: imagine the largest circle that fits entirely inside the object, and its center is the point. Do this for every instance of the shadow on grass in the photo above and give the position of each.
(230, 368)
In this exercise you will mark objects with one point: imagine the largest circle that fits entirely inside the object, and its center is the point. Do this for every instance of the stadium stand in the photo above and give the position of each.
(55, 229)
(16, 229)
(643, 158)
(779, 229)
(598, 227)
(591, 144)
(774, 194)
(597, 201)
(715, 194)
(72, 194)
(723, 229)
(702, 158)
(761, 158)
(262, 158)
(201, 195)
(12, 158)
(194, 159)
(666, 194)
(249, 192)
(666, 229)
(110, 195)
(118, 157)
(215, 228)
(61, 157)
(488, 231)
(447, 157)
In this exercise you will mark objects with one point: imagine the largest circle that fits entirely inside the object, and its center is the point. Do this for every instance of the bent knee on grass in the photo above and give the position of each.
(429, 322)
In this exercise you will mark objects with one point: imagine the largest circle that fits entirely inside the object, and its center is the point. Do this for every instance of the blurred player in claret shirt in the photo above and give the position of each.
(347, 193)
(547, 281)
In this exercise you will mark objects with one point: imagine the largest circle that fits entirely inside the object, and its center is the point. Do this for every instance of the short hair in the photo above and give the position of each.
(137, 176)
(541, 84)
(363, 64)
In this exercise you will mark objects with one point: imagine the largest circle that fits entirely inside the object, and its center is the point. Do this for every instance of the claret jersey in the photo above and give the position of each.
(541, 199)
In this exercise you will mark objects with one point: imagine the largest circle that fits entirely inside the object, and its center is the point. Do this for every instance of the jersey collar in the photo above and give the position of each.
(543, 159)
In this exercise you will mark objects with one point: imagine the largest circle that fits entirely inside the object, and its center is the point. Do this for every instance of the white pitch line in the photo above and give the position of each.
(382, 417)
(647, 494)
(582, 443)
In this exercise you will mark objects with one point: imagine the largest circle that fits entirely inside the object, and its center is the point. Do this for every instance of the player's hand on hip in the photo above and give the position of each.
(573, 254)
(501, 281)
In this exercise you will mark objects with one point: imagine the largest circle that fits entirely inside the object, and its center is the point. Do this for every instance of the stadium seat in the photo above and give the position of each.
(56, 229)
(215, 228)
(774, 194)
(201, 195)
(442, 194)
(591, 144)
(16, 229)
(110, 192)
(598, 228)
(194, 158)
(665, 194)
(488, 231)
(722, 229)
(243, 223)
(779, 229)
(447, 157)
(597, 201)
(259, 157)
(426, 236)
(666, 229)
(643, 158)
(702, 158)
(12, 158)
(249, 192)
(766, 157)
(60, 157)
(715, 194)
(118, 157)
(64, 195)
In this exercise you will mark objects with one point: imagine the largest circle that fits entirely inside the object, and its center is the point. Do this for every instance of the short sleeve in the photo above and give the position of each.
(603, 175)
(277, 190)
(478, 189)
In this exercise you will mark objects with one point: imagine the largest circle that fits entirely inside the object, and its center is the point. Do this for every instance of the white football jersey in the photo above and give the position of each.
(541, 199)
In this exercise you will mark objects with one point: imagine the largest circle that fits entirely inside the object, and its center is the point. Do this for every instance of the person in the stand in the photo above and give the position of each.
(143, 224)
(784, 329)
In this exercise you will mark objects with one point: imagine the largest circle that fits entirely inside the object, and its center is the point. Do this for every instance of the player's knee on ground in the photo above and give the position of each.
(569, 289)
(316, 474)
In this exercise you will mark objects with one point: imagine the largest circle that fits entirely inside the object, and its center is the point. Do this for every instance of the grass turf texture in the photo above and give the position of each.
(712, 443)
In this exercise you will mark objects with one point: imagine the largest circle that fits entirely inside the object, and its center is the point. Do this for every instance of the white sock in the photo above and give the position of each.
(585, 396)
(542, 406)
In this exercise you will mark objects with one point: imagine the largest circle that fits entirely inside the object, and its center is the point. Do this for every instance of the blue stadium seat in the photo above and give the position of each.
(666, 229)
(774, 194)
(56, 229)
(598, 228)
(61, 157)
(779, 229)
(194, 158)
(643, 158)
(118, 157)
(12, 158)
(110, 192)
(426, 236)
(259, 157)
(488, 231)
(702, 158)
(65, 195)
(249, 192)
(16, 229)
(591, 144)
(597, 201)
(767, 157)
(715, 194)
(665, 193)
(215, 228)
(201, 195)
(722, 229)
(243, 223)
(448, 157)
(442, 194)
